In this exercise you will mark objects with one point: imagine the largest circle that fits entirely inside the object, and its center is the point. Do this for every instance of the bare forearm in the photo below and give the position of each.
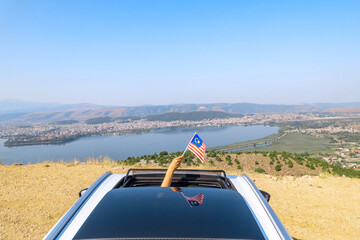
(168, 178)
(170, 172)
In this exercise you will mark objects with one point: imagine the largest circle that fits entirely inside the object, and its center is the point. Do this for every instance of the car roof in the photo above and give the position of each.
(155, 212)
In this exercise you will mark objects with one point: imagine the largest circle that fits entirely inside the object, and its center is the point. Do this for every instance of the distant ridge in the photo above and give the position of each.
(11, 110)
(191, 116)
(166, 117)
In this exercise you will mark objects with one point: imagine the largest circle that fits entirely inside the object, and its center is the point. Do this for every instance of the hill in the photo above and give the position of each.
(343, 110)
(191, 116)
(56, 112)
(187, 116)
(296, 143)
(288, 142)
(274, 163)
(44, 192)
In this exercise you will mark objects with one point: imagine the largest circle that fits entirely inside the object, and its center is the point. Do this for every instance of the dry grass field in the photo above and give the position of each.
(34, 197)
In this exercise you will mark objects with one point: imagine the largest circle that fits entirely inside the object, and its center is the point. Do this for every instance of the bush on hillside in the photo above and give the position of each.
(278, 167)
(259, 170)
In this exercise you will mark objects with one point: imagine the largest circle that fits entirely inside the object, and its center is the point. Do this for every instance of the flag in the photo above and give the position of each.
(195, 201)
(197, 146)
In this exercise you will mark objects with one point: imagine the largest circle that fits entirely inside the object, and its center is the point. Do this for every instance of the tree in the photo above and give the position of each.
(163, 153)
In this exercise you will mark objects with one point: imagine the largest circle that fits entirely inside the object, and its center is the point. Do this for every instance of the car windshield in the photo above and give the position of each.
(154, 212)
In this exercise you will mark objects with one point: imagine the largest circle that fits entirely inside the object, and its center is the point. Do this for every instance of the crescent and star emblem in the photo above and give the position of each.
(196, 140)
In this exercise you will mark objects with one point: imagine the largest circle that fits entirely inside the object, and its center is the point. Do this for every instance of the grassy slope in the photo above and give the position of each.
(259, 141)
(34, 197)
(298, 143)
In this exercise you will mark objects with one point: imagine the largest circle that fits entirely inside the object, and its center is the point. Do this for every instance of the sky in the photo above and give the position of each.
(132, 52)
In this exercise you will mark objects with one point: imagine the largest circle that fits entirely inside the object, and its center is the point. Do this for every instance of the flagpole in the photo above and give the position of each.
(185, 199)
(189, 143)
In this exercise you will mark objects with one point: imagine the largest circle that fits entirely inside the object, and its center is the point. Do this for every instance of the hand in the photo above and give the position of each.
(176, 189)
(175, 163)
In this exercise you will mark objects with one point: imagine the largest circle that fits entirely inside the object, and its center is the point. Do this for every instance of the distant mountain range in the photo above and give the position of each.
(8, 106)
(16, 110)
(166, 117)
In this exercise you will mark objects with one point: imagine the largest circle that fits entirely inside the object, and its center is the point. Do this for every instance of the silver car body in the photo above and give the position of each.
(70, 223)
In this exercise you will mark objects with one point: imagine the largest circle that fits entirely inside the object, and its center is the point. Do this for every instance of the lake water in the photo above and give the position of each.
(121, 147)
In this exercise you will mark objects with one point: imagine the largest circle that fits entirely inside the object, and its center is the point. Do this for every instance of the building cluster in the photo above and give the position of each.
(38, 132)
(330, 129)
(47, 131)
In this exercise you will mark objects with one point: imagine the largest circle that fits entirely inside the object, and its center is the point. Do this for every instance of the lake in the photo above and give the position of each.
(124, 146)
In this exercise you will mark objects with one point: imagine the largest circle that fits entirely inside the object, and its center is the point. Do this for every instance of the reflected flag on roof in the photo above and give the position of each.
(198, 147)
(195, 201)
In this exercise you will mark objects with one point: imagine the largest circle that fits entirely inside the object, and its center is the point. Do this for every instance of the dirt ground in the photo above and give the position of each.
(34, 197)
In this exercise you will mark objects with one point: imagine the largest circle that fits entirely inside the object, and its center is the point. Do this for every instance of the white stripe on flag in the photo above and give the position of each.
(195, 148)
(196, 151)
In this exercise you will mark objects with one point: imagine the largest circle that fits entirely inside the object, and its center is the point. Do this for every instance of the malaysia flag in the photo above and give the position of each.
(197, 146)
(195, 201)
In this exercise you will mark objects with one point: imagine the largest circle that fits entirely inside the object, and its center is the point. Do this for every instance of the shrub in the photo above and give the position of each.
(278, 167)
(237, 161)
(290, 164)
(211, 154)
(163, 153)
(239, 167)
(256, 163)
(218, 159)
(259, 170)
(312, 166)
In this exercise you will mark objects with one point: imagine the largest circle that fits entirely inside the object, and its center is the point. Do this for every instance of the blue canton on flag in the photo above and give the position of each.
(197, 146)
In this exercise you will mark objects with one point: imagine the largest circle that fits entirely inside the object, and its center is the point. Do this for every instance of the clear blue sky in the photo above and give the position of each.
(163, 52)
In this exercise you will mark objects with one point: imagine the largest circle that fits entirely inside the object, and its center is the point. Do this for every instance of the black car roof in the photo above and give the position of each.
(155, 212)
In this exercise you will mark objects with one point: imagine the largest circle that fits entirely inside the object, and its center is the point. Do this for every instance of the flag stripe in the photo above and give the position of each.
(195, 152)
(198, 198)
(199, 154)
(194, 149)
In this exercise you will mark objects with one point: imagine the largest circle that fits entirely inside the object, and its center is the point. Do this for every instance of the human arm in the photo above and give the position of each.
(170, 172)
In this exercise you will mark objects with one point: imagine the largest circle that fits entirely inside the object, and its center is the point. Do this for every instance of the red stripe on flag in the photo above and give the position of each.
(200, 154)
(195, 148)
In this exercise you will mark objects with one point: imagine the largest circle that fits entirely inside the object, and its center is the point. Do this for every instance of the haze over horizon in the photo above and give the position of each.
(20, 101)
(131, 53)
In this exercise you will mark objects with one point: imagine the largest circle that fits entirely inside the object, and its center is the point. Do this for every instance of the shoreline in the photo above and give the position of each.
(61, 141)
(250, 144)
(115, 146)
